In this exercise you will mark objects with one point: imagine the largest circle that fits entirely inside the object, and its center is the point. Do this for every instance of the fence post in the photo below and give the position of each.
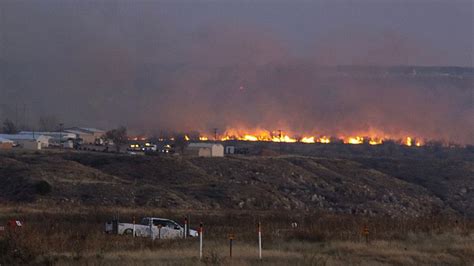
(231, 238)
(201, 232)
(133, 226)
(185, 233)
(366, 234)
(151, 228)
(159, 231)
(115, 223)
(259, 240)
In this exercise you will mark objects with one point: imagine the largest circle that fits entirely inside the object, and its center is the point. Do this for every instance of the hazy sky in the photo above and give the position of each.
(421, 32)
(424, 32)
(154, 65)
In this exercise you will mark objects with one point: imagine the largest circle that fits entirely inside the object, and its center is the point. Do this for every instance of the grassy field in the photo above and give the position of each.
(73, 235)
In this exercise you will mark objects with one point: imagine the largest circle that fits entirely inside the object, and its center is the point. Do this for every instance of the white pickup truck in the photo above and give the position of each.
(151, 227)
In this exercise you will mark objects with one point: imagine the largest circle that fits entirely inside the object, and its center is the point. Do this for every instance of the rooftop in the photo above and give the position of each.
(203, 145)
(24, 136)
(4, 140)
(89, 130)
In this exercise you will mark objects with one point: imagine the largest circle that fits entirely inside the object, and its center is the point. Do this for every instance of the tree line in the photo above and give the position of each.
(45, 123)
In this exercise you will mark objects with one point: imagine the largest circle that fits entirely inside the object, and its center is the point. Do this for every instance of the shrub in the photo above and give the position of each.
(42, 187)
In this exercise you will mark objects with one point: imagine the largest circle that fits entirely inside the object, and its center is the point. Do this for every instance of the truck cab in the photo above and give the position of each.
(162, 222)
(166, 228)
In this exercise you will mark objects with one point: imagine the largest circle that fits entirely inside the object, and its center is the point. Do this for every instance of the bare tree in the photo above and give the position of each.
(180, 143)
(118, 136)
(9, 127)
(48, 123)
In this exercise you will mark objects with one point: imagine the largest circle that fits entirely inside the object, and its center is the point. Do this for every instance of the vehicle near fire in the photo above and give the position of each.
(150, 226)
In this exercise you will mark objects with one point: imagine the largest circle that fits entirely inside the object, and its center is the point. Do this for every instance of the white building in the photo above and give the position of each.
(87, 134)
(205, 150)
(65, 136)
(31, 144)
(28, 141)
(5, 144)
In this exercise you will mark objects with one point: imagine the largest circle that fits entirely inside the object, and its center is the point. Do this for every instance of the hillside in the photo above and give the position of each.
(391, 186)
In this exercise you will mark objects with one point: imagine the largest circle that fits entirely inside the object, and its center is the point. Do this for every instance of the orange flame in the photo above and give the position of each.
(371, 137)
(308, 140)
(284, 139)
(355, 140)
(375, 141)
(250, 138)
(324, 140)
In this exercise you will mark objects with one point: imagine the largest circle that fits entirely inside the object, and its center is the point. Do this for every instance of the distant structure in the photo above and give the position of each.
(54, 136)
(229, 149)
(28, 141)
(5, 144)
(205, 150)
(88, 135)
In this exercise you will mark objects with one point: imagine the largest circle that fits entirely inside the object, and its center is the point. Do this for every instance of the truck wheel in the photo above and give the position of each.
(128, 232)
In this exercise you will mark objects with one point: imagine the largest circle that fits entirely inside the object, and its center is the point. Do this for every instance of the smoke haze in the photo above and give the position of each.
(177, 65)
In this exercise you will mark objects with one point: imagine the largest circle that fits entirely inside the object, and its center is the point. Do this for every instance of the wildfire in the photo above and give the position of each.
(308, 140)
(408, 141)
(255, 135)
(284, 139)
(355, 140)
(312, 139)
(250, 138)
(324, 140)
(375, 141)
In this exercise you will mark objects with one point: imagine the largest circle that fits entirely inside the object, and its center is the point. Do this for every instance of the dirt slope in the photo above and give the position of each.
(394, 187)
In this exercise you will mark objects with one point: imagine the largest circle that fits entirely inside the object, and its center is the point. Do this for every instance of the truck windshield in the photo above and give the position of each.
(145, 221)
(166, 223)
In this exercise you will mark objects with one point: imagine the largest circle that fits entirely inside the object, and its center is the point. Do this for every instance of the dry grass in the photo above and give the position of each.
(425, 250)
(67, 235)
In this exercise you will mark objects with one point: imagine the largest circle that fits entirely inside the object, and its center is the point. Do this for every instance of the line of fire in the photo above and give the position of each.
(280, 136)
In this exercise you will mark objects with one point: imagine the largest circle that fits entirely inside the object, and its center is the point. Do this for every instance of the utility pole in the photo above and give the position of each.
(201, 232)
(60, 135)
(215, 134)
(24, 115)
(259, 240)
(16, 114)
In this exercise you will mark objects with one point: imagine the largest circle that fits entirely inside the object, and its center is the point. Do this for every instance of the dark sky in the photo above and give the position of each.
(178, 65)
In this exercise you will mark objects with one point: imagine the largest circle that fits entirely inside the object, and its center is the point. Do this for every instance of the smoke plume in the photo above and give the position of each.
(160, 66)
